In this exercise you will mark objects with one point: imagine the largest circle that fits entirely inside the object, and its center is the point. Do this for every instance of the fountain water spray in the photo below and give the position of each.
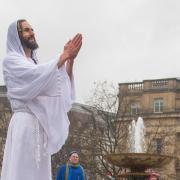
(136, 140)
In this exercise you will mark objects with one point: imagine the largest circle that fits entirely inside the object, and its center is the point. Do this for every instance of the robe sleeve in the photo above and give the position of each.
(25, 80)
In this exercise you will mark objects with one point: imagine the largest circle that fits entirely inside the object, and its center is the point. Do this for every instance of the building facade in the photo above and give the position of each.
(158, 103)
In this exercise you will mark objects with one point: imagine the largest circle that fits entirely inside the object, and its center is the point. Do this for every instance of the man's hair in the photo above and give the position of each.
(19, 28)
(19, 24)
(72, 152)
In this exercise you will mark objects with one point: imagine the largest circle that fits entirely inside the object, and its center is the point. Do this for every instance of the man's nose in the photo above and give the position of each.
(31, 32)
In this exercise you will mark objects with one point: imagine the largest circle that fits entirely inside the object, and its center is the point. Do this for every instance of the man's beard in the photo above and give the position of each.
(29, 44)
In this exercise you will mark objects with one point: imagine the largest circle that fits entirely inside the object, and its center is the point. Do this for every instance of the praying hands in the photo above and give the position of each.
(71, 49)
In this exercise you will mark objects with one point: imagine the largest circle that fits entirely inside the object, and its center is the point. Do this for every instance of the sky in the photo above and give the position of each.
(123, 40)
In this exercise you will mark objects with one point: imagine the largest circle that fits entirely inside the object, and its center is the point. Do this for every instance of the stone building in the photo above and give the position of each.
(158, 103)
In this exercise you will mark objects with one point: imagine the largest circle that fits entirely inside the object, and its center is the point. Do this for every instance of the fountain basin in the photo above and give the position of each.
(134, 176)
(138, 162)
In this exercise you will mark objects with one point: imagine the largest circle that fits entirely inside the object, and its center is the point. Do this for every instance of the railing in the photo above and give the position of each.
(159, 84)
(135, 86)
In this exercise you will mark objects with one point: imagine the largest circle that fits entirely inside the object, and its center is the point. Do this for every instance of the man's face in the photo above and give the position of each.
(74, 158)
(27, 36)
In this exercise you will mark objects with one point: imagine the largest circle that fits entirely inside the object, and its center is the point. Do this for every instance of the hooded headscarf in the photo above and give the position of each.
(14, 43)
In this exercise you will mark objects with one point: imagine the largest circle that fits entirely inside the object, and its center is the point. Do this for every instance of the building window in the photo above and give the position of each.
(135, 108)
(158, 145)
(158, 105)
(178, 136)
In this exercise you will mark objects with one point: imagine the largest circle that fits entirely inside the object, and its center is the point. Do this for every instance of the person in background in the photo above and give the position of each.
(72, 170)
(154, 176)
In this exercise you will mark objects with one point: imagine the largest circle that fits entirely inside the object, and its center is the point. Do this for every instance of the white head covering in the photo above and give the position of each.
(13, 41)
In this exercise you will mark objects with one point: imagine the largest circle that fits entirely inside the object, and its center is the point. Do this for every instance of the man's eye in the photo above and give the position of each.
(28, 29)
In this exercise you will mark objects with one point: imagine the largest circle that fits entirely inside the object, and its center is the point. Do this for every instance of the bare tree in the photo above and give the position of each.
(5, 114)
(109, 132)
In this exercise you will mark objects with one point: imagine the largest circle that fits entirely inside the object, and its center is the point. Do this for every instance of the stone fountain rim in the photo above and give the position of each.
(133, 173)
(142, 153)
(141, 160)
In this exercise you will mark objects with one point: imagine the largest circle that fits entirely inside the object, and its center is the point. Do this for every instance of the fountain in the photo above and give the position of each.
(136, 140)
(136, 160)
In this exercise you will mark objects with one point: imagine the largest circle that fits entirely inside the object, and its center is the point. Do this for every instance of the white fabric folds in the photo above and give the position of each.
(44, 88)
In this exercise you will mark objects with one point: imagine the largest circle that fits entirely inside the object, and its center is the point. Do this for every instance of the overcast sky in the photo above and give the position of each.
(124, 40)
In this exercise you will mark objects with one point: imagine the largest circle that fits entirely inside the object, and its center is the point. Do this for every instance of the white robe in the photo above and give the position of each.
(40, 97)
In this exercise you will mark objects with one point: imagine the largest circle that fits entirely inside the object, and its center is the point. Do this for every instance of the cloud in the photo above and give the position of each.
(124, 40)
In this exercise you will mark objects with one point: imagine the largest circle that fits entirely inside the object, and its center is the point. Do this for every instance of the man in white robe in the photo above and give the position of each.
(40, 97)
